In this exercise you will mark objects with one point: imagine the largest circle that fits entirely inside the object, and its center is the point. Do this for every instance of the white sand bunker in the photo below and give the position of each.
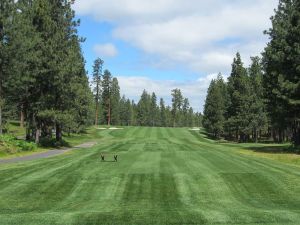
(116, 128)
(195, 128)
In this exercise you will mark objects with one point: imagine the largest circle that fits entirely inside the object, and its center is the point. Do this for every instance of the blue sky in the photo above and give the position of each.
(129, 60)
(159, 45)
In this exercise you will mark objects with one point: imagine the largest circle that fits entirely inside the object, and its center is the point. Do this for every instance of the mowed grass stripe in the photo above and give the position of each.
(164, 176)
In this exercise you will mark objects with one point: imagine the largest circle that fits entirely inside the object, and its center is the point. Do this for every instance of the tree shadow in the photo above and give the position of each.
(52, 143)
(83, 132)
(208, 135)
(275, 149)
(107, 161)
(15, 123)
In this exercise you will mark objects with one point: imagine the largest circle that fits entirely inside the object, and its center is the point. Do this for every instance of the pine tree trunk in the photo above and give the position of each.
(1, 100)
(274, 135)
(37, 135)
(28, 135)
(255, 135)
(58, 133)
(97, 114)
(280, 135)
(0, 118)
(108, 119)
(237, 135)
(97, 103)
(260, 134)
(296, 135)
(22, 116)
(28, 130)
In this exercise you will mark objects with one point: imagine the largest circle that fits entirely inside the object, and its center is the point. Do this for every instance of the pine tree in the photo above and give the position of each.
(106, 96)
(185, 112)
(191, 118)
(177, 100)
(162, 107)
(123, 111)
(97, 73)
(6, 8)
(239, 102)
(214, 108)
(82, 108)
(55, 68)
(258, 116)
(115, 102)
(126, 112)
(134, 115)
(281, 63)
(169, 117)
(143, 110)
(153, 110)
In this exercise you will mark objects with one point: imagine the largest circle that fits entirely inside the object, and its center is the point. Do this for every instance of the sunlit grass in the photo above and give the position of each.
(163, 176)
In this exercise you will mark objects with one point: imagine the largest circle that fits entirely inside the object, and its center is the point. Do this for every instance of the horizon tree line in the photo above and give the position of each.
(112, 109)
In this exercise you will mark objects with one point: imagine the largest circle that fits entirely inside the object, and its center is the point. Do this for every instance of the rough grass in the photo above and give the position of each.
(270, 152)
(164, 176)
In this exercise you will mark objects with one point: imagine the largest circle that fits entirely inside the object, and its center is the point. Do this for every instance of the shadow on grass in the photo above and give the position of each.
(268, 148)
(52, 143)
(208, 135)
(275, 149)
(15, 123)
(84, 132)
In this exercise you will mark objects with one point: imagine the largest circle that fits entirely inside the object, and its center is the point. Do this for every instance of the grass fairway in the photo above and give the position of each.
(164, 176)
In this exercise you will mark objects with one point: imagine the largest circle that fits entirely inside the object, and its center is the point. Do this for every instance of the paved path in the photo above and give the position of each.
(46, 154)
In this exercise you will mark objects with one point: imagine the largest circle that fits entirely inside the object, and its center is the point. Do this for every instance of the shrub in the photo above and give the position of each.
(26, 146)
(10, 144)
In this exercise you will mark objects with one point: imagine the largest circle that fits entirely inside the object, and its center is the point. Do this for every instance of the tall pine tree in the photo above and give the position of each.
(115, 102)
(97, 73)
(238, 106)
(214, 108)
(177, 101)
(6, 9)
(106, 96)
(281, 63)
(258, 116)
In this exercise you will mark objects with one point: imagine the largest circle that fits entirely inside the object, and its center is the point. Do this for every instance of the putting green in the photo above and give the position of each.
(163, 176)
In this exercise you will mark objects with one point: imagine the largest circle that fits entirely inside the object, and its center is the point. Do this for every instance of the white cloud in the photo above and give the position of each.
(195, 91)
(203, 35)
(105, 50)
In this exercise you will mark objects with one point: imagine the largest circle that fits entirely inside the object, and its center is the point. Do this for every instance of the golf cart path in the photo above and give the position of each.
(47, 154)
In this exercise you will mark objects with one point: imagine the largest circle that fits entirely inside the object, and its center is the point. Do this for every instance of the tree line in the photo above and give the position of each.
(112, 109)
(262, 101)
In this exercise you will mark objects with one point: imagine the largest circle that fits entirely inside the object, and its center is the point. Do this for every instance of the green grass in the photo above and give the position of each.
(164, 176)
